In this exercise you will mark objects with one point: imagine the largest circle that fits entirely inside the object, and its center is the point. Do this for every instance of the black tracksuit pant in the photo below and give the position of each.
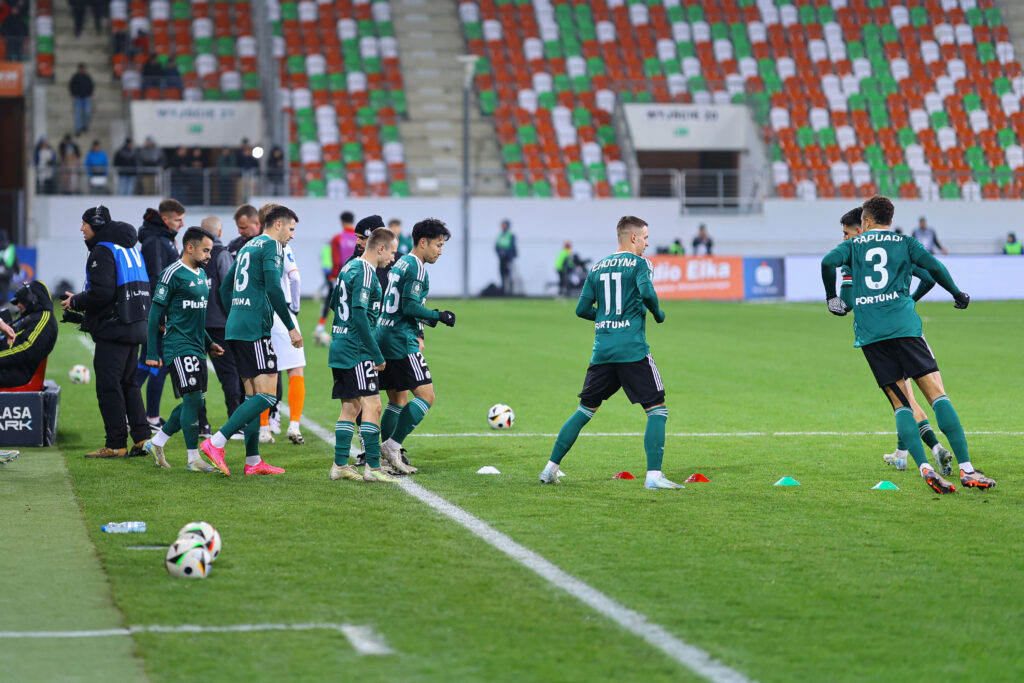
(118, 393)
(227, 372)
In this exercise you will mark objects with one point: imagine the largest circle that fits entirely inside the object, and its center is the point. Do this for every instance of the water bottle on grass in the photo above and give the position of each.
(124, 527)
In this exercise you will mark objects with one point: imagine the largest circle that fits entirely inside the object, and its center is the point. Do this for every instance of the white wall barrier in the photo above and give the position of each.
(542, 225)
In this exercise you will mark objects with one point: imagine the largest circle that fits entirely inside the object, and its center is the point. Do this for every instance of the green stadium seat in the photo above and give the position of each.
(620, 190)
(520, 189)
(316, 188)
(542, 188)
(949, 191)
(399, 188)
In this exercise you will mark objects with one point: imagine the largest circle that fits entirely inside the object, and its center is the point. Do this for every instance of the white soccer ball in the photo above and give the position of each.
(79, 374)
(500, 416)
(188, 558)
(206, 532)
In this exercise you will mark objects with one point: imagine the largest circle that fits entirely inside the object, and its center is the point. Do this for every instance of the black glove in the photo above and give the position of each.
(961, 300)
(837, 306)
(430, 323)
(72, 317)
(446, 317)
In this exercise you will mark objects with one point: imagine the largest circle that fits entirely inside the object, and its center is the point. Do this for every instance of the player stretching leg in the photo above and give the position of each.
(851, 228)
(252, 293)
(620, 286)
(398, 333)
(888, 331)
(355, 358)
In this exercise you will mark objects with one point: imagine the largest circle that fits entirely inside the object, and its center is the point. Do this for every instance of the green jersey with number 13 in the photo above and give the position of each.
(259, 262)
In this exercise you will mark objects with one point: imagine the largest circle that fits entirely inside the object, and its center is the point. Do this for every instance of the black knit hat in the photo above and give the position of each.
(367, 225)
(98, 217)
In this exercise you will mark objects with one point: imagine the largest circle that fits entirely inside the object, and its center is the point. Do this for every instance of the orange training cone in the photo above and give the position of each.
(623, 475)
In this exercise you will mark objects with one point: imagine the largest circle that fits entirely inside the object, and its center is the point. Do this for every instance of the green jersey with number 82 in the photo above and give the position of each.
(251, 315)
(397, 333)
(357, 287)
(880, 264)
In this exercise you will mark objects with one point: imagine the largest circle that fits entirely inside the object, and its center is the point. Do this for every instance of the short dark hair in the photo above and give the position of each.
(628, 224)
(394, 221)
(378, 237)
(170, 205)
(245, 211)
(430, 228)
(280, 213)
(880, 209)
(851, 217)
(348, 217)
(195, 234)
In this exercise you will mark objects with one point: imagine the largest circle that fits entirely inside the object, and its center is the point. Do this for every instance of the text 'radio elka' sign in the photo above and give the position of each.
(698, 277)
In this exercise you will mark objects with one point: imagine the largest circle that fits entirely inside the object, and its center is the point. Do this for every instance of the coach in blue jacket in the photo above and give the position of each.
(114, 309)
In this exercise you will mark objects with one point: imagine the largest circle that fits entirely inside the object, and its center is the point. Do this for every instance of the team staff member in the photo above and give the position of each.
(248, 222)
(157, 233)
(115, 307)
(36, 334)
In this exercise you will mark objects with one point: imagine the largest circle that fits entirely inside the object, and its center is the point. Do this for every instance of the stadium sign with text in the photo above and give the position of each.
(698, 277)
(197, 124)
(688, 126)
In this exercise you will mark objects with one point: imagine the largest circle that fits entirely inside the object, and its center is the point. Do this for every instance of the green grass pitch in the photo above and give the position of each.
(827, 581)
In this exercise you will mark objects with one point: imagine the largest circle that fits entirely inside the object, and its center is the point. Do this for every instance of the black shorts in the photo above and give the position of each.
(254, 357)
(401, 374)
(356, 382)
(189, 374)
(892, 360)
(640, 379)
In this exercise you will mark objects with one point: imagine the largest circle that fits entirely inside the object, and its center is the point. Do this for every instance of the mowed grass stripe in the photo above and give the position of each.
(691, 657)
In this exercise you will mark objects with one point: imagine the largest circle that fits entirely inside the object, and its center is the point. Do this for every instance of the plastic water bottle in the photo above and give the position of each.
(124, 527)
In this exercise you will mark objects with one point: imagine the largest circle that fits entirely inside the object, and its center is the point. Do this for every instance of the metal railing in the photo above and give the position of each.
(702, 189)
(196, 186)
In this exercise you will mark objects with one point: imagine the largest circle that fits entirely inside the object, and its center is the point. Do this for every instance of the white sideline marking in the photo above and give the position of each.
(691, 657)
(362, 638)
(552, 435)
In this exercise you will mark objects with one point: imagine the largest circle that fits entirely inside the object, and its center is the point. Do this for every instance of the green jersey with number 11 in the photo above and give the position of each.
(620, 286)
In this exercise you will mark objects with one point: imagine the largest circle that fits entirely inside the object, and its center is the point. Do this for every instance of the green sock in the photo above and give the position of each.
(927, 434)
(412, 415)
(173, 423)
(906, 427)
(950, 425)
(569, 431)
(343, 432)
(252, 436)
(389, 420)
(654, 437)
(371, 441)
(191, 404)
(247, 412)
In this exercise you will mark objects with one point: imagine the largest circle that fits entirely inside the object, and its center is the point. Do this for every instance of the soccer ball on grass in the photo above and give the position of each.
(206, 533)
(500, 416)
(79, 374)
(188, 558)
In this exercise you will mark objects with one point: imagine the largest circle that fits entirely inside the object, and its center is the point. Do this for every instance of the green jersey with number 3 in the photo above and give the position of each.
(357, 287)
(616, 283)
(397, 333)
(880, 265)
(183, 293)
(251, 316)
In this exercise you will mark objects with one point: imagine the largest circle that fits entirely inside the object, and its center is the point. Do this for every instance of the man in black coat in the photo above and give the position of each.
(81, 86)
(36, 331)
(114, 309)
(156, 238)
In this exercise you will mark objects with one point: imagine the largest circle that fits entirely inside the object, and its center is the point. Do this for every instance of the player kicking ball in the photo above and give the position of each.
(399, 332)
(179, 304)
(355, 357)
(251, 293)
(617, 294)
(851, 228)
(888, 331)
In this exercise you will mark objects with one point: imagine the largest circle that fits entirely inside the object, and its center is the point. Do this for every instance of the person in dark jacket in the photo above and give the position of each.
(156, 237)
(126, 161)
(81, 86)
(114, 309)
(247, 220)
(36, 331)
(224, 365)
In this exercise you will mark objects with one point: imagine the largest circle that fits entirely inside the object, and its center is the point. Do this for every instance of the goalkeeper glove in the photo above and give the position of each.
(961, 300)
(837, 306)
(446, 317)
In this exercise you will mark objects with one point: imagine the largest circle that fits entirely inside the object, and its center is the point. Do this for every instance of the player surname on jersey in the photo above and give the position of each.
(876, 299)
(611, 324)
(874, 236)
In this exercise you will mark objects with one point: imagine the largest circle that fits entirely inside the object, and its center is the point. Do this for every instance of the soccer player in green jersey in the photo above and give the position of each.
(617, 294)
(252, 293)
(888, 330)
(355, 357)
(399, 334)
(851, 223)
(179, 304)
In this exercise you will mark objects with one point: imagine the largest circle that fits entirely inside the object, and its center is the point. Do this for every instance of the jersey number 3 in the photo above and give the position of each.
(883, 258)
(608, 279)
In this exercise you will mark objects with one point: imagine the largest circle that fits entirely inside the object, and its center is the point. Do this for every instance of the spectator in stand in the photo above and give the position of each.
(702, 243)
(78, 12)
(69, 172)
(152, 160)
(15, 30)
(249, 169)
(275, 172)
(926, 235)
(67, 145)
(140, 45)
(1012, 246)
(46, 166)
(178, 166)
(194, 185)
(96, 161)
(152, 73)
(99, 12)
(81, 87)
(126, 161)
(226, 174)
(172, 77)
